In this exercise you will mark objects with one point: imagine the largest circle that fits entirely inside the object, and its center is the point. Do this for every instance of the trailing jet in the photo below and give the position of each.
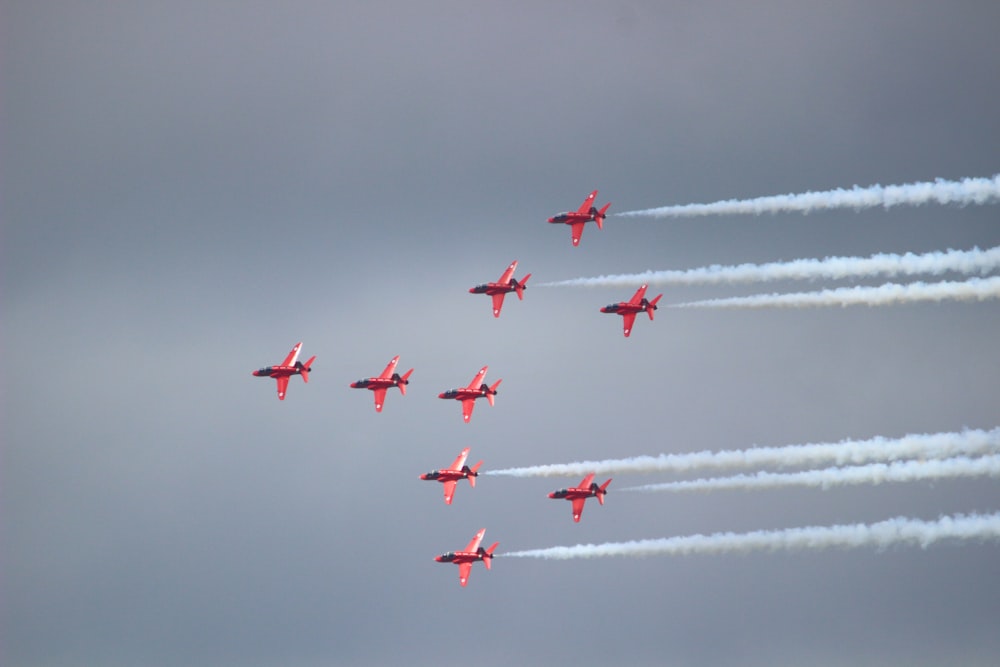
(578, 495)
(286, 369)
(628, 309)
(500, 288)
(465, 559)
(450, 476)
(388, 378)
(587, 212)
(468, 395)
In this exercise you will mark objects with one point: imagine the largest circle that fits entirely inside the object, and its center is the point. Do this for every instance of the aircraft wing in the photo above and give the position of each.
(293, 356)
(463, 572)
(628, 319)
(577, 230)
(578, 508)
(498, 303)
(478, 380)
(460, 460)
(587, 203)
(449, 491)
(379, 399)
(282, 386)
(474, 542)
(508, 274)
(467, 406)
(585, 484)
(390, 368)
(638, 296)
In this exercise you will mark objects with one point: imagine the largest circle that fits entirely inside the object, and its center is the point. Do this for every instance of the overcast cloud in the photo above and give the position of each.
(191, 188)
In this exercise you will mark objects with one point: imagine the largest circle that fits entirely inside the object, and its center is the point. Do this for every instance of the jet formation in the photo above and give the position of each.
(477, 388)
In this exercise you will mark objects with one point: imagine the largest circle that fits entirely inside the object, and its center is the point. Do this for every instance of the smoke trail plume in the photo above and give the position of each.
(935, 263)
(969, 442)
(873, 473)
(974, 289)
(882, 534)
(966, 191)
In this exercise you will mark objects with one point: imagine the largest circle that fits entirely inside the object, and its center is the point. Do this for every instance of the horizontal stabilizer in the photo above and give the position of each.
(472, 478)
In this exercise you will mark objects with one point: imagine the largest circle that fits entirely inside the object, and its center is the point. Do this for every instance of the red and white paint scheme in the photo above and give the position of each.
(586, 213)
(468, 395)
(286, 369)
(464, 559)
(502, 287)
(449, 476)
(388, 378)
(629, 309)
(578, 494)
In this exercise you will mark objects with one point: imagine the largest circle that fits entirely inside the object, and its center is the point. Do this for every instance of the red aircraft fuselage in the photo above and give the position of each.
(388, 378)
(502, 287)
(578, 218)
(286, 369)
(450, 476)
(628, 309)
(579, 494)
(464, 559)
(468, 395)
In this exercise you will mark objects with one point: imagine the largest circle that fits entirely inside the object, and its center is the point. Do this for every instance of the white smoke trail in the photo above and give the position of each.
(935, 263)
(974, 289)
(969, 442)
(966, 191)
(873, 473)
(883, 534)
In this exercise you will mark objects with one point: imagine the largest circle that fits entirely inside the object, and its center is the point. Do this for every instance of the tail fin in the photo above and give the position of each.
(603, 213)
(519, 286)
(602, 491)
(488, 556)
(493, 391)
(472, 477)
(306, 367)
(403, 381)
(652, 305)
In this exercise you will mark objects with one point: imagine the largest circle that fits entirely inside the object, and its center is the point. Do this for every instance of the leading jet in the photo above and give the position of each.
(286, 369)
(629, 309)
(465, 559)
(502, 287)
(388, 378)
(475, 389)
(586, 213)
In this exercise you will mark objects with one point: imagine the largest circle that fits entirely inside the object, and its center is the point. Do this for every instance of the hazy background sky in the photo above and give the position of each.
(190, 188)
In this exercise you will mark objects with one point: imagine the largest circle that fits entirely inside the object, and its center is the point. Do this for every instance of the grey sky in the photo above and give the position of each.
(191, 188)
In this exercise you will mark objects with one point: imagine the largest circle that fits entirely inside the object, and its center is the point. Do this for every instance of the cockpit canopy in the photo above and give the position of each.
(266, 370)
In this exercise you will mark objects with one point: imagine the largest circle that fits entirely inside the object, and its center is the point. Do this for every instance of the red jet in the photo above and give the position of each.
(468, 395)
(388, 378)
(289, 367)
(628, 309)
(587, 212)
(465, 559)
(500, 288)
(578, 495)
(450, 476)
